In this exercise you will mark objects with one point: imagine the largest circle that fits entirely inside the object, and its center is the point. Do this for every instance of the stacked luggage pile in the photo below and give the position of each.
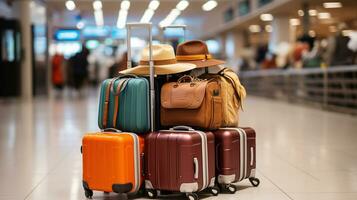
(171, 131)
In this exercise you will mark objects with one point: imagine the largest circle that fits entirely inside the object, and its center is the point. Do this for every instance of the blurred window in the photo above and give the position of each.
(264, 2)
(213, 46)
(8, 41)
(243, 7)
(229, 15)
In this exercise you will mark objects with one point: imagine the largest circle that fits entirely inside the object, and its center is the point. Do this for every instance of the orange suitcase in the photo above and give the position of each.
(112, 162)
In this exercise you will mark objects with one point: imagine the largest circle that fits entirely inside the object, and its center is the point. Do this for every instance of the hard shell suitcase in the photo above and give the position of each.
(124, 104)
(235, 156)
(180, 160)
(112, 162)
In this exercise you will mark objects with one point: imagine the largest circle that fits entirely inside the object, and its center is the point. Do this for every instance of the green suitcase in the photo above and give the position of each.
(124, 104)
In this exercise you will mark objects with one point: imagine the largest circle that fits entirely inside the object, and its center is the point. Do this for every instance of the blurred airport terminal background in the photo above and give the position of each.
(297, 50)
(296, 58)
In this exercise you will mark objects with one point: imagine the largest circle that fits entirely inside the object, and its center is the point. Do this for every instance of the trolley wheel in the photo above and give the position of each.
(231, 189)
(152, 194)
(214, 190)
(254, 181)
(192, 196)
(88, 193)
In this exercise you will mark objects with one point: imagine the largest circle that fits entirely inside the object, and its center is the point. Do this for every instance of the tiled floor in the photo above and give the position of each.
(303, 153)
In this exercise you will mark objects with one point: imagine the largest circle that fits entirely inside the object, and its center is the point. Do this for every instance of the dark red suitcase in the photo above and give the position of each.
(180, 160)
(235, 156)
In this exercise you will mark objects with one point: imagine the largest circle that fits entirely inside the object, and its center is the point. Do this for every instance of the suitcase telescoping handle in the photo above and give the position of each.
(184, 128)
(195, 162)
(147, 26)
(183, 27)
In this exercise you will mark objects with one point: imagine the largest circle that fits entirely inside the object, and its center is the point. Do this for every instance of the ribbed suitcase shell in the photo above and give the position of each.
(133, 111)
(112, 162)
(235, 154)
(170, 159)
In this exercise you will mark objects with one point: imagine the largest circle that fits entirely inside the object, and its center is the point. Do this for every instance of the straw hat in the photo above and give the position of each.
(164, 62)
(196, 52)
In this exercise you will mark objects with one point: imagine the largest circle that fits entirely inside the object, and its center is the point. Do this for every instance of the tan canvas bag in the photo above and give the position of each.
(195, 103)
(232, 92)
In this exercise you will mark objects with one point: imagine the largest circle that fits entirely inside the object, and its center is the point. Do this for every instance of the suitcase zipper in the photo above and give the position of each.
(137, 159)
(204, 160)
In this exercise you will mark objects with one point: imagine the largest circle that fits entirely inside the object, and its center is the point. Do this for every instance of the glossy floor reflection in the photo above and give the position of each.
(303, 153)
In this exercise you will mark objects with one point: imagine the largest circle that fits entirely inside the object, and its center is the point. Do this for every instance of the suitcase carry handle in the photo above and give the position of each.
(195, 162)
(183, 27)
(111, 129)
(147, 26)
(251, 156)
(186, 128)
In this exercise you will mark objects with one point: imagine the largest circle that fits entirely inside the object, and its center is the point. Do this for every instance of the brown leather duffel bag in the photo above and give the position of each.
(233, 94)
(195, 103)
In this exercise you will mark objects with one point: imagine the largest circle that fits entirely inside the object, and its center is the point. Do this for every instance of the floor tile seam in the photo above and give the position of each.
(47, 174)
(276, 185)
(296, 167)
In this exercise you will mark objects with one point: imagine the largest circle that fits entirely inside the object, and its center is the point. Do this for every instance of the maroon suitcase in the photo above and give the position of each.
(235, 156)
(180, 160)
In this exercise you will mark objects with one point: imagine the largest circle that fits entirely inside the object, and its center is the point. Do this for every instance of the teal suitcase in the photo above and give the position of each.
(124, 104)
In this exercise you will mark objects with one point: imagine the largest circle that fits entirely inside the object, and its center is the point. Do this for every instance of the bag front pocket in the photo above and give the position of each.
(216, 112)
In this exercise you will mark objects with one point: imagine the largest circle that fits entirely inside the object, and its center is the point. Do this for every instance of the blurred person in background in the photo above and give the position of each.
(120, 65)
(57, 71)
(342, 55)
(269, 62)
(79, 67)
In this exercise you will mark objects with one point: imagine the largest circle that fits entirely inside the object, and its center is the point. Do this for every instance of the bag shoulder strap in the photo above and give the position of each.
(121, 85)
(106, 103)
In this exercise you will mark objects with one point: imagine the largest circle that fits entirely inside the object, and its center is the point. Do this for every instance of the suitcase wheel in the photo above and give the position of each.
(214, 190)
(231, 188)
(152, 194)
(254, 181)
(88, 193)
(106, 193)
(192, 196)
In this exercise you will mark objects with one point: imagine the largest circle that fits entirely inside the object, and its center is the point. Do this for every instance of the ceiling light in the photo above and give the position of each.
(266, 17)
(125, 5)
(97, 5)
(172, 16)
(182, 5)
(70, 5)
(294, 22)
(98, 16)
(254, 28)
(147, 16)
(122, 18)
(332, 29)
(301, 13)
(80, 25)
(332, 5)
(346, 32)
(312, 33)
(268, 28)
(209, 5)
(153, 5)
(312, 12)
(324, 15)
